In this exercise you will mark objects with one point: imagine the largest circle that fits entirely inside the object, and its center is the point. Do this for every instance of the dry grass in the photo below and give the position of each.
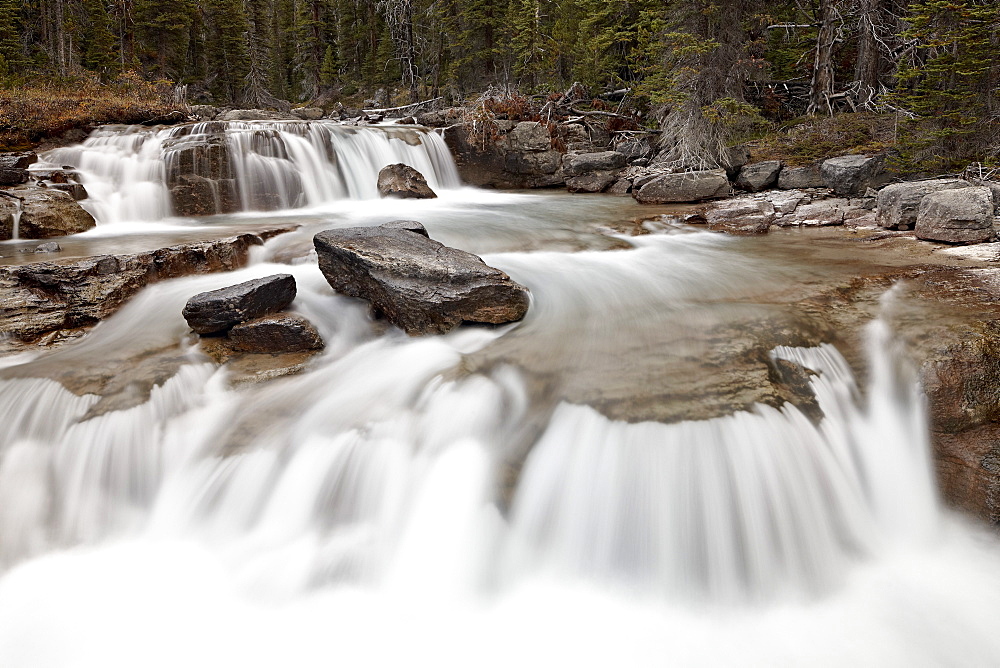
(806, 140)
(30, 115)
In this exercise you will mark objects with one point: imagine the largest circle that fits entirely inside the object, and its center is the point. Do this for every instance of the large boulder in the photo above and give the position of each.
(17, 160)
(13, 177)
(255, 115)
(796, 178)
(685, 187)
(533, 164)
(308, 113)
(219, 310)
(578, 164)
(733, 159)
(898, 203)
(403, 181)
(528, 136)
(419, 284)
(759, 176)
(44, 213)
(850, 174)
(956, 216)
(278, 333)
(741, 216)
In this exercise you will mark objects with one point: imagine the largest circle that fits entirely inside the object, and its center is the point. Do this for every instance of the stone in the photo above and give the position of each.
(403, 181)
(741, 216)
(636, 149)
(528, 136)
(684, 187)
(278, 333)
(65, 293)
(821, 213)
(48, 247)
(408, 120)
(595, 182)
(542, 162)
(620, 187)
(204, 112)
(219, 310)
(75, 190)
(578, 164)
(408, 225)
(46, 213)
(796, 178)
(194, 195)
(308, 113)
(13, 177)
(18, 160)
(956, 216)
(255, 115)
(733, 159)
(418, 284)
(897, 204)
(759, 176)
(850, 174)
(786, 202)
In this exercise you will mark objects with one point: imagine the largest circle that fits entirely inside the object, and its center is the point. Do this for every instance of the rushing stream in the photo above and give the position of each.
(402, 501)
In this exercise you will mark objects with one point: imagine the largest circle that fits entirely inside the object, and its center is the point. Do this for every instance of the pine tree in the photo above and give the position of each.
(163, 31)
(11, 53)
(225, 48)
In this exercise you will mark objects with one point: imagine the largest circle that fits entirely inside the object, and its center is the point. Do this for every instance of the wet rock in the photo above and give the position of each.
(48, 247)
(685, 187)
(796, 178)
(279, 333)
(308, 113)
(759, 176)
(898, 203)
(18, 160)
(595, 182)
(741, 216)
(403, 181)
(420, 285)
(66, 294)
(578, 164)
(851, 174)
(75, 190)
(408, 120)
(45, 213)
(195, 195)
(219, 310)
(620, 187)
(956, 216)
(13, 177)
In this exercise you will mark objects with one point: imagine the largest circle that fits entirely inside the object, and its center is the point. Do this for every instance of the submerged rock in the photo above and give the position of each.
(219, 310)
(403, 181)
(419, 284)
(279, 333)
(956, 216)
(685, 187)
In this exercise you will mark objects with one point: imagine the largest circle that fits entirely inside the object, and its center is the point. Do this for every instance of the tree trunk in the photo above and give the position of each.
(821, 87)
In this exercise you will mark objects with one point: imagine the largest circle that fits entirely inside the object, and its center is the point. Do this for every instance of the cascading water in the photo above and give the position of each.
(136, 174)
(394, 503)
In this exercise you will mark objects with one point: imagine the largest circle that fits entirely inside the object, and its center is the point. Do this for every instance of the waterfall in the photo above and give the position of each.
(139, 174)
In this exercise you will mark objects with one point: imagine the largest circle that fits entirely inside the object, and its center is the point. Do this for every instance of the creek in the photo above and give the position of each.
(575, 489)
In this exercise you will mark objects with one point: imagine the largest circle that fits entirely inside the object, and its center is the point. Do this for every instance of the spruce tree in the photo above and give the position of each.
(11, 53)
(225, 48)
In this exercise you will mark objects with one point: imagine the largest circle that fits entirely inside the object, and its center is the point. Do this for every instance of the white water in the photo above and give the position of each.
(275, 165)
(356, 514)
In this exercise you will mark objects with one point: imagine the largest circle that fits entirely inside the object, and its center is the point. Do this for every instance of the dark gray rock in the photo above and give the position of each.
(75, 190)
(960, 216)
(13, 177)
(219, 310)
(850, 174)
(898, 203)
(420, 285)
(759, 176)
(684, 187)
(408, 225)
(533, 164)
(595, 182)
(278, 333)
(620, 187)
(636, 149)
(795, 178)
(45, 213)
(578, 164)
(18, 160)
(48, 247)
(403, 181)
(733, 159)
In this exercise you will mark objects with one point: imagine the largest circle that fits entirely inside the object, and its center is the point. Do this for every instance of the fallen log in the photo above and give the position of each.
(405, 109)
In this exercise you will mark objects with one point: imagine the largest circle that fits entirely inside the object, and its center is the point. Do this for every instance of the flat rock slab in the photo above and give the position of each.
(420, 285)
(684, 187)
(278, 333)
(219, 310)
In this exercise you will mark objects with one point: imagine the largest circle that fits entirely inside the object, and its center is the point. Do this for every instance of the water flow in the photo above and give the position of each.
(131, 173)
